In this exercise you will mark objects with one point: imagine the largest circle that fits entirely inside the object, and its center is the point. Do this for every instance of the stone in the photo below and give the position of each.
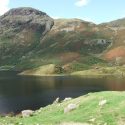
(67, 99)
(56, 101)
(92, 120)
(20, 123)
(102, 102)
(27, 113)
(74, 123)
(70, 107)
(105, 123)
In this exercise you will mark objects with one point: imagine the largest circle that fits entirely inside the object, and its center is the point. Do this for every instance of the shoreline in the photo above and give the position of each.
(91, 75)
(92, 102)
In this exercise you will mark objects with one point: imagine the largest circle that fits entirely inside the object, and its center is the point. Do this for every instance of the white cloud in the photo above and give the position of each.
(81, 3)
(4, 6)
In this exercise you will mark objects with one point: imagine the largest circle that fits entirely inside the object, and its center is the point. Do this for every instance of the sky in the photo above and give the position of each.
(97, 11)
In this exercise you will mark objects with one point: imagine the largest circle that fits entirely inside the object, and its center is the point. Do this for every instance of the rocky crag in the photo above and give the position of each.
(21, 30)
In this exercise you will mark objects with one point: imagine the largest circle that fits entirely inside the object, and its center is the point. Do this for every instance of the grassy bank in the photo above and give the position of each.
(102, 71)
(53, 70)
(88, 112)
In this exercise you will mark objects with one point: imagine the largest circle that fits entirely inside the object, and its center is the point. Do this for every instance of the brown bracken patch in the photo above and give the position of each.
(116, 52)
(69, 57)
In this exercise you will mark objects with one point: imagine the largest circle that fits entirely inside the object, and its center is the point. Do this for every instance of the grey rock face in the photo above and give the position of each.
(24, 17)
(21, 30)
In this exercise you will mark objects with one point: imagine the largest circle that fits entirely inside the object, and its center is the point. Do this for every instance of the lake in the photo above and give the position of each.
(18, 93)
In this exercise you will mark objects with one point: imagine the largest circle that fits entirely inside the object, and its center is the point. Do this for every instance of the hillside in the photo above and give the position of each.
(71, 44)
(21, 30)
(116, 52)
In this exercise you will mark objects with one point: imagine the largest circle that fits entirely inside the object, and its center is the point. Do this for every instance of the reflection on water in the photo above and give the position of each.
(26, 92)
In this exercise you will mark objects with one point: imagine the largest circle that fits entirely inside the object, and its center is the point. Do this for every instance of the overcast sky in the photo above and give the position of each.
(96, 11)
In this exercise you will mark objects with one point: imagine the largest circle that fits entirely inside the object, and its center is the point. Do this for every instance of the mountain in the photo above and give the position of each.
(21, 30)
(116, 23)
(76, 36)
(71, 44)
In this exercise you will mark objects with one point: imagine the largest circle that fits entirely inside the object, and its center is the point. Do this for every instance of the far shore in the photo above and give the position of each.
(49, 70)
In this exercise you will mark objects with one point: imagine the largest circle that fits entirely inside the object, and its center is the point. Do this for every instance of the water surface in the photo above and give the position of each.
(27, 92)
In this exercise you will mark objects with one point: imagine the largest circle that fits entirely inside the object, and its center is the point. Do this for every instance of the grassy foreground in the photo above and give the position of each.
(88, 112)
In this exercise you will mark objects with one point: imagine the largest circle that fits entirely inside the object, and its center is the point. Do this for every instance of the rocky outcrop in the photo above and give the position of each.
(21, 30)
(21, 18)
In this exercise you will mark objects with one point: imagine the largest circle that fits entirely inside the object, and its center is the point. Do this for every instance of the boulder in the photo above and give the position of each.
(70, 107)
(27, 113)
(102, 102)
(56, 101)
(92, 120)
(74, 123)
(67, 99)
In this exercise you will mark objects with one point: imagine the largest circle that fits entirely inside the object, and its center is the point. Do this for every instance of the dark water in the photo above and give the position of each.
(25, 92)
